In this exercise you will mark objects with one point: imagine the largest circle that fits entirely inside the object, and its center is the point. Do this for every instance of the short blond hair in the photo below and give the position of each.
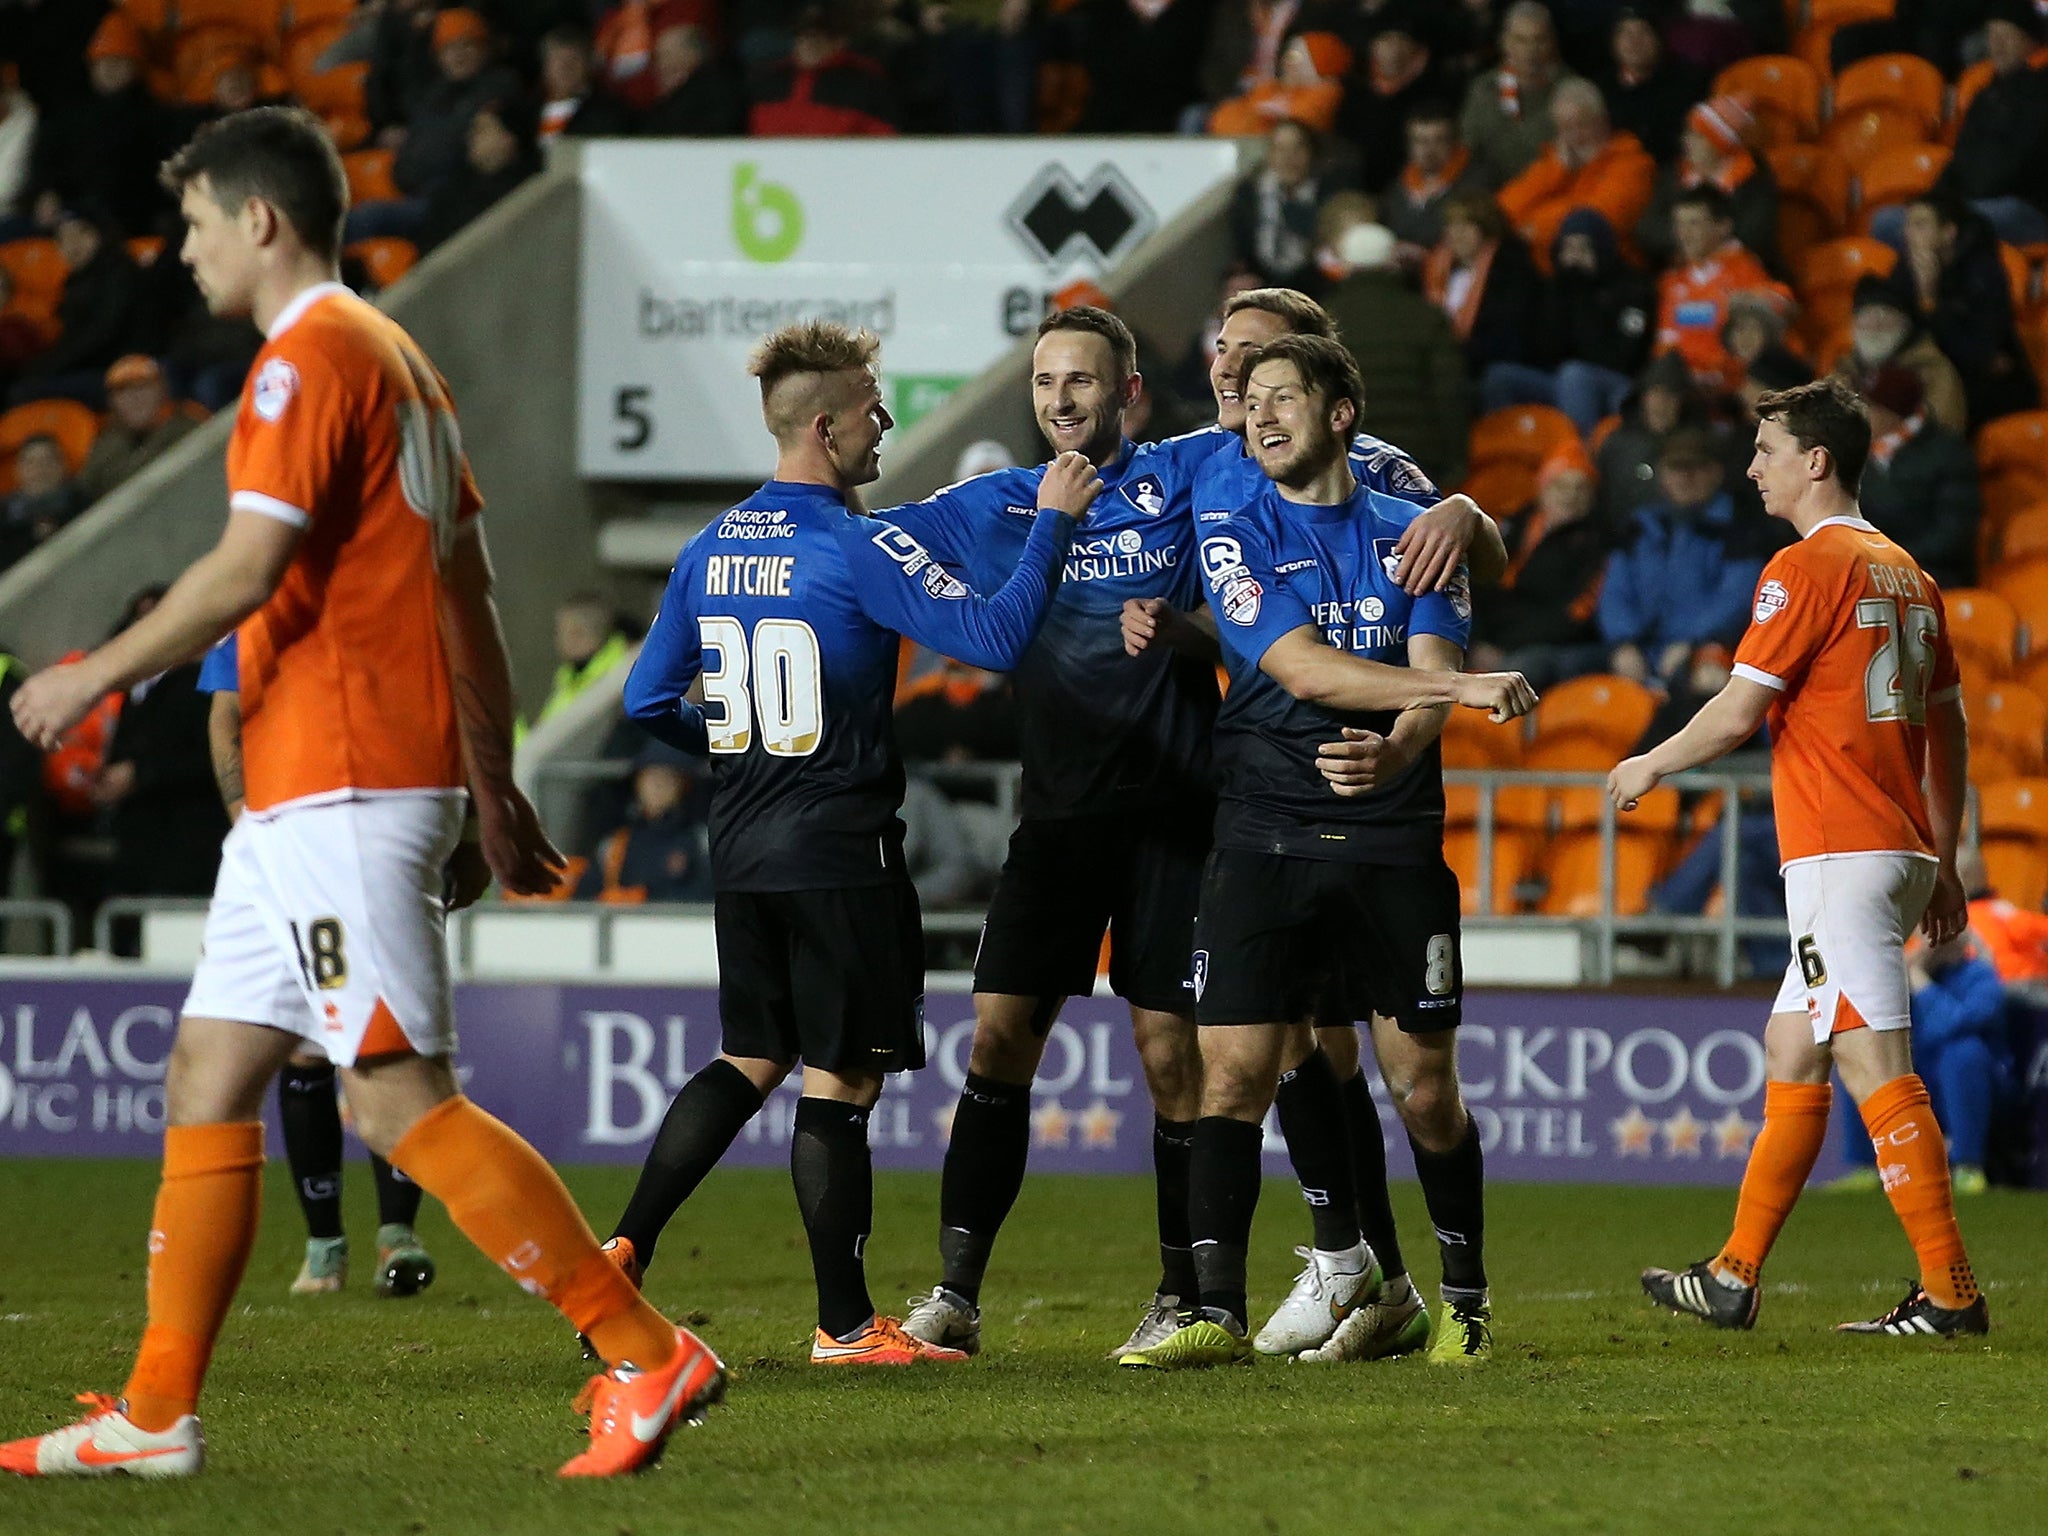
(809, 350)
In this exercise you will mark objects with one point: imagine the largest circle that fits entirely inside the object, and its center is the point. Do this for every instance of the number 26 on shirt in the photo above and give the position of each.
(1895, 682)
(775, 684)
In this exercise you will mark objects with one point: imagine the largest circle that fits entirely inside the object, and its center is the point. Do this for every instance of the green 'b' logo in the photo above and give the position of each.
(767, 220)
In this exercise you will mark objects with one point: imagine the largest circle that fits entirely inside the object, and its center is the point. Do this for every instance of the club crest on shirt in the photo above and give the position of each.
(1147, 495)
(941, 583)
(1201, 976)
(1388, 556)
(1241, 595)
(276, 382)
(1771, 598)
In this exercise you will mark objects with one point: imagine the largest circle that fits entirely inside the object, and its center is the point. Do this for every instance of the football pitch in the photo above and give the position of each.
(449, 1413)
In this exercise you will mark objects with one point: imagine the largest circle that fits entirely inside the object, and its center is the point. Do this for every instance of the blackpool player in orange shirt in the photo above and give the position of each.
(374, 686)
(1848, 654)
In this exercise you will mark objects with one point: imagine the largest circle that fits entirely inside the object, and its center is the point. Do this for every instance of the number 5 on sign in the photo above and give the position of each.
(787, 695)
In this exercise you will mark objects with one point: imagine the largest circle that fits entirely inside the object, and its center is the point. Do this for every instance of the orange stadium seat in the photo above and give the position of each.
(198, 54)
(1785, 92)
(1472, 740)
(1514, 861)
(1578, 810)
(386, 260)
(2019, 277)
(1813, 198)
(1898, 176)
(1827, 284)
(301, 13)
(2013, 719)
(1815, 26)
(1896, 81)
(1983, 624)
(153, 16)
(1572, 867)
(2014, 808)
(2018, 872)
(257, 16)
(74, 426)
(1613, 711)
(369, 175)
(2022, 536)
(2031, 673)
(38, 270)
(325, 92)
(2012, 467)
(1859, 137)
(1502, 488)
(1521, 434)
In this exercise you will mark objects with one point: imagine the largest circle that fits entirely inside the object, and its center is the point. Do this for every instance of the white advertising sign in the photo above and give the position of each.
(946, 249)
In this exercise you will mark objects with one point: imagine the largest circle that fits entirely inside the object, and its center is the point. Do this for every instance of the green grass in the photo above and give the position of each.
(450, 1413)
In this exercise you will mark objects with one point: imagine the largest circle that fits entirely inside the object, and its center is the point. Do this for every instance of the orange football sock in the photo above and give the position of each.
(1914, 1165)
(1795, 1126)
(199, 1242)
(508, 1201)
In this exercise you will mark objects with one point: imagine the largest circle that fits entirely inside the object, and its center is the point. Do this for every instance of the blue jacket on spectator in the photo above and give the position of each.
(1962, 1000)
(1677, 578)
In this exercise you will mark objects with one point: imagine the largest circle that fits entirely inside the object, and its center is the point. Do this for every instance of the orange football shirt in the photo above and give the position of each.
(346, 431)
(1854, 638)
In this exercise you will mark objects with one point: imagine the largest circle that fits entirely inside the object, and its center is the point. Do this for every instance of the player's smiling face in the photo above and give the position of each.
(218, 249)
(1243, 333)
(1077, 394)
(1291, 430)
(857, 427)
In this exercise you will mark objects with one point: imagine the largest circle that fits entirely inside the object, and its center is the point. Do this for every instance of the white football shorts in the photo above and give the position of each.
(327, 922)
(1851, 915)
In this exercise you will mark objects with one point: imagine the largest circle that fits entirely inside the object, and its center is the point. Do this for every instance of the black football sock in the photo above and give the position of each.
(398, 1198)
(984, 1170)
(710, 1111)
(1223, 1193)
(834, 1176)
(1369, 1174)
(1173, 1147)
(1454, 1188)
(1312, 1119)
(312, 1143)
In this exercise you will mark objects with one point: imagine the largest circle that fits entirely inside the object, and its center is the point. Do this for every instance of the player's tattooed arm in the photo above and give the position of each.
(1363, 761)
(1948, 786)
(514, 845)
(224, 742)
(1724, 723)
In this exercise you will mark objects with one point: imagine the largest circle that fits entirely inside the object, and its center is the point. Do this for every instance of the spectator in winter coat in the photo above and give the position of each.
(1273, 213)
(1438, 169)
(1953, 282)
(104, 150)
(437, 133)
(1308, 89)
(1143, 61)
(142, 423)
(1588, 164)
(1400, 77)
(700, 97)
(1692, 298)
(1596, 318)
(1415, 386)
(1680, 587)
(625, 44)
(157, 791)
(1664, 400)
(2001, 158)
(822, 88)
(1507, 110)
(1716, 154)
(44, 498)
(1920, 486)
(1886, 331)
(1542, 619)
(662, 851)
(1483, 280)
(572, 105)
(1648, 92)
(502, 154)
(99, 313)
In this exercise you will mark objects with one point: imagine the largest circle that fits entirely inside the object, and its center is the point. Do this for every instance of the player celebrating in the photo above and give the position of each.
(1325, 1108)
(373, 671)
(1848, 656)
(309, 1109)
(798, 602)
(1318, 635)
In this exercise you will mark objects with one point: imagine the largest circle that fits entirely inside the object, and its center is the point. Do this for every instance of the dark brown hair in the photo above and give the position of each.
(1304, 316)
(1123, 346)
(1824, 414)
(281, 155)
(1325, 366)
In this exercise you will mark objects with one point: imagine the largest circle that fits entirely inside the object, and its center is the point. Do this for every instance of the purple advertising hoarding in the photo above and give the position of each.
(1597, 1087)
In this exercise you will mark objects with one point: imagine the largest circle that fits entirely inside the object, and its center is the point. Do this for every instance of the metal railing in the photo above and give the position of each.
(53, 916)
(138, 908)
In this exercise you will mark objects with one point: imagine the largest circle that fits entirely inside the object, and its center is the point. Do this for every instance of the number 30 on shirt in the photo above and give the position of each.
(776, 683)
(1895, 682)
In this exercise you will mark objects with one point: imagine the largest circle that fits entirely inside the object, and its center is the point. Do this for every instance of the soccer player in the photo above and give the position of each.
(1325, 1107)
(309, 1109)
(1848, 657)
(1310, 890)
(788, 608)
(374, 683)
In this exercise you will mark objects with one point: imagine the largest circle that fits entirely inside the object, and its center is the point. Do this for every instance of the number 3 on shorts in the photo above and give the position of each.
(1811, 966)
(321, 959)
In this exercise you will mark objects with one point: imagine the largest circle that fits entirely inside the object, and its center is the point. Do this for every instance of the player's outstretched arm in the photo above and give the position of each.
(898, 585)
(1456, 530)
(1363, 762)
(1317, 673)
(1726, 721)
(1948, 786)
(514, 845)
(217, 591)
